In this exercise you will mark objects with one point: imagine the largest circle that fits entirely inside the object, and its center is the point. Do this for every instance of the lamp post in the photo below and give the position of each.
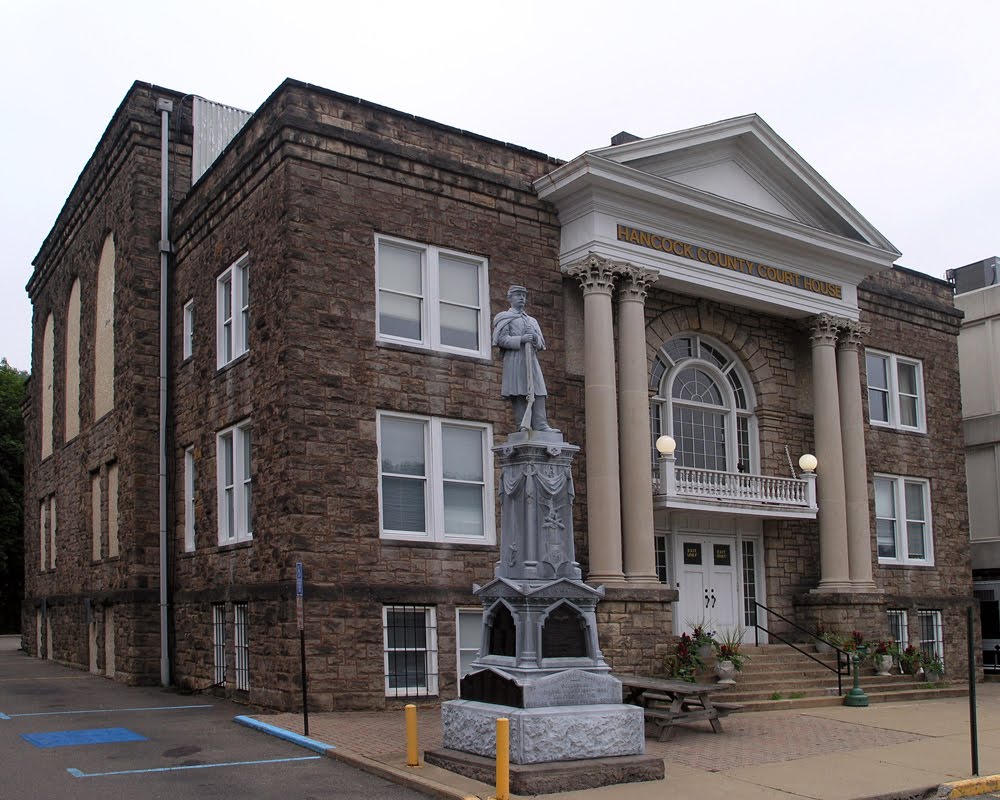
(665, 446)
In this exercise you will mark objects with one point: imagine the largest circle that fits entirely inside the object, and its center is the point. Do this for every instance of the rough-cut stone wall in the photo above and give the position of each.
(117, 193)
(305, 202)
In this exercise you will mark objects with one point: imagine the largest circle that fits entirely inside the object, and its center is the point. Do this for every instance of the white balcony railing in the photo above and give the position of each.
(689, 487)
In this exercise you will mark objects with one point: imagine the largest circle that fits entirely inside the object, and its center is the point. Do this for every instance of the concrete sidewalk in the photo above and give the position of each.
(834, 753)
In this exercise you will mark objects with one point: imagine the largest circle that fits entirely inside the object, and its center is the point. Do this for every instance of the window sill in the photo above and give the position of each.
(905, 565)
(427, 350)
(229, 364)
(882, 426)
(224, 548)
(437, 544)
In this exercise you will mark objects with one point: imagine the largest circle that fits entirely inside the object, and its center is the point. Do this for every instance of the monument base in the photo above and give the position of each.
(551, 777)
(551, 733)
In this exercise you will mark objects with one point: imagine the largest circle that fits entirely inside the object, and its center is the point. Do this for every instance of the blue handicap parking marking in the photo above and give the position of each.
(88, 736)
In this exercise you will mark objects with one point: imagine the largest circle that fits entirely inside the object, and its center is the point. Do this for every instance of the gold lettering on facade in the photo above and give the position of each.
(727, 261)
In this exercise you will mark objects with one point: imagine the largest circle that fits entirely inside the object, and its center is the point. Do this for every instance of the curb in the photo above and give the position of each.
(970, 787)
(302, 741)
(389, 773)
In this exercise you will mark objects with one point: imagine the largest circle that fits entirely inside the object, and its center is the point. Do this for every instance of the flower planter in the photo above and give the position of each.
(883, 663)
(823, 648)
(932, 677)
(704, 651)
(726, 671)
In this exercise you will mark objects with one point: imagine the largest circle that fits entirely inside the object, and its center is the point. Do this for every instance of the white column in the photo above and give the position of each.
(633, 434)
(852, 427)
(834, 571)
(604, 534)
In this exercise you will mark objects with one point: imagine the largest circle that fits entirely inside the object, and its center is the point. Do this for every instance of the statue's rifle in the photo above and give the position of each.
(529, 364)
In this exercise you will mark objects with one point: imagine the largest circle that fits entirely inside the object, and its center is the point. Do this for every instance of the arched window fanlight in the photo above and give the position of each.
(704, 400)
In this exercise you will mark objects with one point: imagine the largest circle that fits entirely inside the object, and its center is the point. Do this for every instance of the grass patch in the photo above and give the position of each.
(796, 695)
(777, 696)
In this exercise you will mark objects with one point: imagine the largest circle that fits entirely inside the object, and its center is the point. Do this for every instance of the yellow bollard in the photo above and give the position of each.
(412, 756)
(503, 759)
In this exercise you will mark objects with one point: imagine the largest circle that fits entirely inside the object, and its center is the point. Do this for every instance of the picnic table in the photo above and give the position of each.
(668, 702)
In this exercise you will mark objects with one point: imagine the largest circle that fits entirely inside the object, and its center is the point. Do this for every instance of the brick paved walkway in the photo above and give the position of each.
(749, 739)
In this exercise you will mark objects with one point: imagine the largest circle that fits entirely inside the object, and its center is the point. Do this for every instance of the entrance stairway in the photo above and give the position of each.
(777, 677)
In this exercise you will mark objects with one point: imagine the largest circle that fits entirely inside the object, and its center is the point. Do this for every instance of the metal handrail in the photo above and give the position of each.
(846, 660)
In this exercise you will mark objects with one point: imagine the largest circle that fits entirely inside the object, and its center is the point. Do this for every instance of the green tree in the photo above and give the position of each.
(12, 387)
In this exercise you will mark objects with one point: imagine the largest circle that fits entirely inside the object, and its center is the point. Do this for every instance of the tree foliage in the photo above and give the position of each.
(12, 387)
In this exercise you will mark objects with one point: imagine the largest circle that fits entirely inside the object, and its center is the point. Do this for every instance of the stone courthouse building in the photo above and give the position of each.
(316, 385)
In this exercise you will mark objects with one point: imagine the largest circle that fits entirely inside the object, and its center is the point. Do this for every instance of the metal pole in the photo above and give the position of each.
(412, 752)
(305, 691)
(973, 722)
(503, 759)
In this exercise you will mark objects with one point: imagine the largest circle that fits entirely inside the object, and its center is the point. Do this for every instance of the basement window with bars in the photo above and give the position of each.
(241, 639)
(410, 649)
(219, 643)
(931, 633)
(898, 629)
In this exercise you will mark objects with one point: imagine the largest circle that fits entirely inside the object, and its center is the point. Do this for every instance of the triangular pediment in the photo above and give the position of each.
(744, 161)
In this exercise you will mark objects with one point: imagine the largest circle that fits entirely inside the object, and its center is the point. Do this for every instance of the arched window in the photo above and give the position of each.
(104, 338)
(72, 382)
(704, 400)
(48, 384)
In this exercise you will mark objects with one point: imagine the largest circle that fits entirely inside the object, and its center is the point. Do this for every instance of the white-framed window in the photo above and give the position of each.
(96, 517)
(435, 479)
(431, 297)
(219, 644)
(234, 481)
(114, 544)
(241, 640)
(189, 484)
(52, 531)
(469, 635)
(895, 391)
(903, 520)
(187, 345)
(233, 311)
(898, 629)
(931, 633)
(43, 538)
(410, 649)
(704, 400)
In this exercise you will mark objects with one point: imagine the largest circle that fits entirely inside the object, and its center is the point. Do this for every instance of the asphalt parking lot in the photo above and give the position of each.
(70, 734)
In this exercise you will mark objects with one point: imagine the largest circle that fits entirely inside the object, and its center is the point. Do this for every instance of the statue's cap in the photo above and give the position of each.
(515, 288)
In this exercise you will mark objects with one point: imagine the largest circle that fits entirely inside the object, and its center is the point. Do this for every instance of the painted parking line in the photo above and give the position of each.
(78, 774)
(102, 711)
(87, 736)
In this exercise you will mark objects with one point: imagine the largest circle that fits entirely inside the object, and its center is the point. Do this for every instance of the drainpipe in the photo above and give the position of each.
(164, 106)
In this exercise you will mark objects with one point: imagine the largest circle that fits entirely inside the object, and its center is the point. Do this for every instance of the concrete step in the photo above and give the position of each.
(784, 703)
(763, 690)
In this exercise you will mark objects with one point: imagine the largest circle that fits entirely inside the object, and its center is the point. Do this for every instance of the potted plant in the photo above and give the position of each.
(909, 660)
(702, 640)
(883, 656)
(729, 655)
(933, 667)
(828, 639)
(684, 663)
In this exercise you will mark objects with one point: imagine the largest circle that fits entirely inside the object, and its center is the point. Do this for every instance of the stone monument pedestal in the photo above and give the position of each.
(540, 663)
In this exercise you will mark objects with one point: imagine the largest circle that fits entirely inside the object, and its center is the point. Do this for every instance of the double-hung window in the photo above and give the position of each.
(435, 479)
(931, 634)
(410, 650)
(187, 342)
(469, 636)
(233, 312)
(189, 489)
(432, 298)
(234, 479)
(903, 520)
(895, 391)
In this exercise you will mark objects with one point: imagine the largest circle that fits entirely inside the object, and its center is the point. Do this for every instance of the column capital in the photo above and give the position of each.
(635, 281)
(823, 329)
(852, 334)
(596, 274)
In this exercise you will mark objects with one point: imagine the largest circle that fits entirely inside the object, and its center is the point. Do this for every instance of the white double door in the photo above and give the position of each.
(707, 576)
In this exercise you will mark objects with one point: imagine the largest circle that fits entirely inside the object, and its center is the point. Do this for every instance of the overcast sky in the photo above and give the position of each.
(894, 103)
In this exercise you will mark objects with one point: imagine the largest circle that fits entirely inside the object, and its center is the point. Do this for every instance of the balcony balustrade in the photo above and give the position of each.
(764, 496)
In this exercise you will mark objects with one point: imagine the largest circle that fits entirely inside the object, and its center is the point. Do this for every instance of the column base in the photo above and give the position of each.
(866, 587)
(648, 580)
(614, 579)
(834, 587)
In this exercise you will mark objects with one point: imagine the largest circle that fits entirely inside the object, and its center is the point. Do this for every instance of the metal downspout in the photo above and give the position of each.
(164, 106)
